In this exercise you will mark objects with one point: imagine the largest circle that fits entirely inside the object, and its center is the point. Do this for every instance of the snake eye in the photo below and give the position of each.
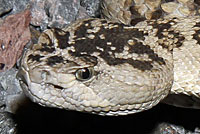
(84, 74)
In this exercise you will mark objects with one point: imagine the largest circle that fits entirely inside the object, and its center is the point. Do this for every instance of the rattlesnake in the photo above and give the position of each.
(109, 68)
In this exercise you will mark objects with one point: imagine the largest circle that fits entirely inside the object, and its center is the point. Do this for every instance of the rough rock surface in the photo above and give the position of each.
(167, 128)
(54, 13)
(10, 89)
(14, 35)
(7, 6)
(59, 13)
(7, 124)
(91, 6)
(51, 13)
(10, 92)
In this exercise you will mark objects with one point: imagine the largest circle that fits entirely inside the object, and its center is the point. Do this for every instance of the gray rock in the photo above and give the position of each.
(9, 82)
(91, 6)
(8, 7)
(10, 91)
(49, 13)
(7, 124)
(52, 13)
(39, 15)
(167, 128)
(5, 6)
(11, 98)
(56, 13)
(61, 12)
(19, 5)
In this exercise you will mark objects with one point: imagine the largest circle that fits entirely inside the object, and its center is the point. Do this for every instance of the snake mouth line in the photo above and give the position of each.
(57, 86)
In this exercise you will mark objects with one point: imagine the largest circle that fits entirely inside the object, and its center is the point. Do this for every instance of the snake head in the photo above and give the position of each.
(98, 67)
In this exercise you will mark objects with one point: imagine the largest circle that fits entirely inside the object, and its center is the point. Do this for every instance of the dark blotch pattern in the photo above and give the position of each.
(134, 12)
(47, 48)
(142, 65)
(118, 36)
(197, 24)
(196, 36)
(89, 59)
(82, 29)
(165, 27)
(35, 57)
(139, 48)
(180, 41)
(136, 20)
(62, 38)
(54, 59)
(178, 36)
(161, 27)
(157, 14)
(168, 1)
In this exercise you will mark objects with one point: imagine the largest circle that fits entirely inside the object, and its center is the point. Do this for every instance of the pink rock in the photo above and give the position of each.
(14, 35)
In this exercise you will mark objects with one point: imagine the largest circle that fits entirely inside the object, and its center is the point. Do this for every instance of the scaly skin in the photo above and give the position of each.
(109, 68)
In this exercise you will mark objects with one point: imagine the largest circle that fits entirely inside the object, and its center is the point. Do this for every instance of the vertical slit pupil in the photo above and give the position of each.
(85, 74)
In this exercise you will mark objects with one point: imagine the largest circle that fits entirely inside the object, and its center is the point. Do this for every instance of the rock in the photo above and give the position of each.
(10, 91)
(39, 15)
(59, 13)
(14, 35)
(62, 12)
(167, 128)
(9, 86)
(5, 7)
(91, 6)
(19, 5)
(52, 13)
(7, 124)
(8, 7)
(11, 98)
